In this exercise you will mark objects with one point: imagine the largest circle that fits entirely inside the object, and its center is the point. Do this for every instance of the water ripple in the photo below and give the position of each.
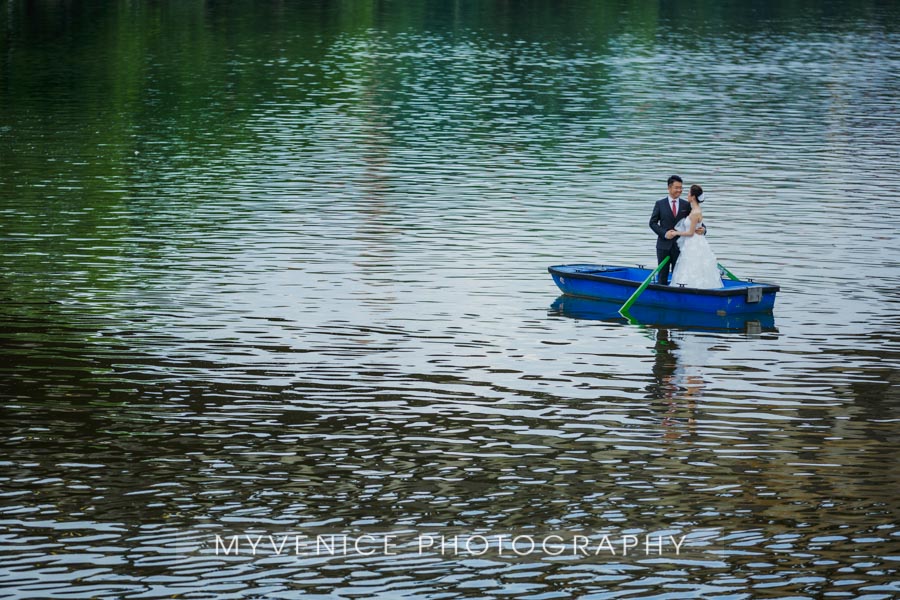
(290, 278)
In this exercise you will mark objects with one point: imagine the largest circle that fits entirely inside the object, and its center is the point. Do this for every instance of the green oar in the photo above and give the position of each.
(642, 287)
(727, 272)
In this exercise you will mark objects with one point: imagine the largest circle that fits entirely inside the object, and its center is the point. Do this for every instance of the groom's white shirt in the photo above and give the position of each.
(677, 205)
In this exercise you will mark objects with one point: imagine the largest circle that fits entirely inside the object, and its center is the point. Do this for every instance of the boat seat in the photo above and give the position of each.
(589, 270)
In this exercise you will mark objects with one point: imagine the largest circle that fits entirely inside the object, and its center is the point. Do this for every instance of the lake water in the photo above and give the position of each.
(279, 268)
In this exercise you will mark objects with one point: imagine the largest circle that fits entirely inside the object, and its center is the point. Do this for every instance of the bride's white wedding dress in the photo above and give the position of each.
(697, 266)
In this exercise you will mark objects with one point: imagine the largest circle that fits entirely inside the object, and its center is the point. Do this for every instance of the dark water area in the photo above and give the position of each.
(279, 269)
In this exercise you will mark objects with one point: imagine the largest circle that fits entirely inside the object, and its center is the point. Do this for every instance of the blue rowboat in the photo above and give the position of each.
(602, 310)
(617, 284)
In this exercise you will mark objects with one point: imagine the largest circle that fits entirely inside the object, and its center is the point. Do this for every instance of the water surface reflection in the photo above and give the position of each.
(282, 268)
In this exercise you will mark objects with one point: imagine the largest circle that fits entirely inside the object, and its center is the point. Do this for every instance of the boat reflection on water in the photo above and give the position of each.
(598, 310)
(681, 358)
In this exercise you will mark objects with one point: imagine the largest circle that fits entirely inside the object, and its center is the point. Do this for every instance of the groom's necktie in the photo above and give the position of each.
(674, 210)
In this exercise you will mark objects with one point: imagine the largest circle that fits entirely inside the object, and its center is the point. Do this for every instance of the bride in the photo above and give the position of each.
(696, 266)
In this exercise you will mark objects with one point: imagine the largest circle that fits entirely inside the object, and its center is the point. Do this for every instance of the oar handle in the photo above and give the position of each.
(642, 287)
(727, 272)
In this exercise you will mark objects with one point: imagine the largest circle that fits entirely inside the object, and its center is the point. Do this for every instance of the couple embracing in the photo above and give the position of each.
(681, 236)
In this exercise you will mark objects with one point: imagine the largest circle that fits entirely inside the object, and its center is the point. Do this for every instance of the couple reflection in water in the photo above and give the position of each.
(678, 381)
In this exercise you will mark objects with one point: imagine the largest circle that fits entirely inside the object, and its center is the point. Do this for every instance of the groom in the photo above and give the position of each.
(666, 213)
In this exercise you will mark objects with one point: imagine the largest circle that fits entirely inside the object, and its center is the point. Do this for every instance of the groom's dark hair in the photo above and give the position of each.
(674, 178)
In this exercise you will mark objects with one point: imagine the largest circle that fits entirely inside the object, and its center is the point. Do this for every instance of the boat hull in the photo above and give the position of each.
(618, 283)
(575, 307)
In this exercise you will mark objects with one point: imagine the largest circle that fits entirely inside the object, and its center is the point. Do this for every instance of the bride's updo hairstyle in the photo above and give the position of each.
(696, 192)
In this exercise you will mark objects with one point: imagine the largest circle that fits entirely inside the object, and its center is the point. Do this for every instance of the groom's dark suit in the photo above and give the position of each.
(661, 221)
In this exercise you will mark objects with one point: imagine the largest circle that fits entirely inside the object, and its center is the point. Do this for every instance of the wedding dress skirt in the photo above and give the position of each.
(697, 266)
